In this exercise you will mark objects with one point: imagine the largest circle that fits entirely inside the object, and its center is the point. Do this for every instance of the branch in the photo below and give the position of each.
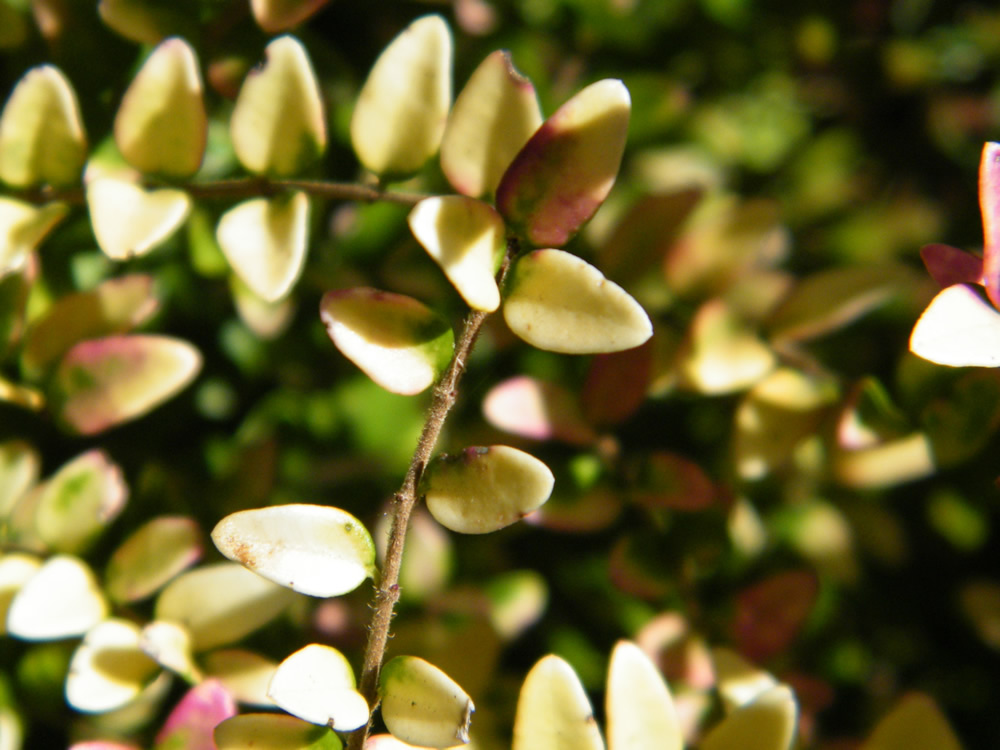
(387, 592)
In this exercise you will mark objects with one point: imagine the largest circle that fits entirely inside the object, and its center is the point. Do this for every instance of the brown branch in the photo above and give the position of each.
(387, 591)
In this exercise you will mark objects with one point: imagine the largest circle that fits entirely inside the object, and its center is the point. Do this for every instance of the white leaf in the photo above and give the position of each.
(640, 710)
(316, 684)
(553, 712)
(958, 329)
(108, 668)
(61, 600)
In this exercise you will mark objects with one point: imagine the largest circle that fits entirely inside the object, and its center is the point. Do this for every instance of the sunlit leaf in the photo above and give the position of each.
(61, 600)
(103, 382)
(268, 320)
(169, 645)
(221, 603)
(566, 170)
(143, 21)
(915, 723)
(15, 570)
(483, 489)
(892, 462)
(722, 354)
(400, 113)
(161, 127)
(466, 238)
(959, 329)
(128, 220)
(989, 206)
(265, 241)
(737, 681)
(493, 117)
(553, 712)
(314, 549)
(152, 555)
(766, 723)
(278, 126)
(244, 674)
(560, 303)
(397, 341)
(273, 732)
(108, 669)
(280, 15)
(535, 409)
(422, 705)
(316, 684)
(518, 600)
(22, 228)
(192, 722)
(640, 709)
(41, 132)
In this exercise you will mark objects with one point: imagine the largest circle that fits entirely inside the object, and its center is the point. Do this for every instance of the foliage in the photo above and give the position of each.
(652, 381)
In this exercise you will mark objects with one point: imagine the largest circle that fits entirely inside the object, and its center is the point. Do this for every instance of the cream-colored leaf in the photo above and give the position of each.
(314, 549)
(152, 555)
(914, 723)
(553, 712)
(738, 681)
(560, 303)
(22, 228)
(61, 600)
(466, 238)
(108, 669)
(41, 132)
(161, 125)
(244, 674)
(278, 125)
(265, 240)
(766, 723)
(273, 732)
(401, 111)
(15, 570)
(169, 645)
(492, 119)
(722, 354)
(316, 684)
(640, 709)
(129, 221)
(890, 463)
(422, 705)
(958, 329)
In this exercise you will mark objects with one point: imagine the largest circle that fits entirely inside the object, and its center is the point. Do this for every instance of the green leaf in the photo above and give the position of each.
(766, 723)
(483, 489)
(161, 125)
(273, 732)
(244, 674)
(316, 684)
(280, 15)
(152, 555)
(128, 220)
(560, 303)
(313, 549)
(22, 228)
(20, 466)
(566, 170)
(265, 242)
(553, 712)
(61, 600)
(421, 705)
(41, 133)
(397, 341)
(278, 125)
(103, 382)
(958, 329)
(400, 113)
(466, 238)
(492, 119)
(221, 603)
(108, 669)
(640, 710)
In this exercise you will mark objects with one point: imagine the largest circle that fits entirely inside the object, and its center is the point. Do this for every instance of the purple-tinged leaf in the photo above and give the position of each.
(770, 614)
(948, 265)
(192, 722)
(567, 168)
(535, 409)
(666, 480)
(989, 205)
(617, 384)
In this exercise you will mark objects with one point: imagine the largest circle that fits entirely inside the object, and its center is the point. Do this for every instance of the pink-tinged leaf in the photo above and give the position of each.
(616, 384)
(113, 306)
(192, 722)
(666, 480)
(958, 329)
(103, 382)
(534, 409)
(151, 556)
(948, 265)
(636, 566)
(771, 613)
(493, 117)
(280, 15)
(102, 745)
(566, 170)
(579, 512)
(989, 205)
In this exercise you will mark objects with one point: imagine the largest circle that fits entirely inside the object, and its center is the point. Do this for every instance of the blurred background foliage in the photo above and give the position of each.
(788, 139)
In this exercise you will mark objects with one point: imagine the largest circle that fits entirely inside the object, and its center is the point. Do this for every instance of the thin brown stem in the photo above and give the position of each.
(387, 590)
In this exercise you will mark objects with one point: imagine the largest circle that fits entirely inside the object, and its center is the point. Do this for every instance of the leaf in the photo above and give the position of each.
(483, 489)
(152, 555)
(108, 670)
(78, 501)
(280, 15)
(535, 409)
(398, 342)
(565, 171)
(738, 681)
(268, 320)
(553, 712)
(129, 221)
(770, 614)
(667, 480)
(20, 467)
(316, 684)
(103, 382)
(221, 603)
(192, 722)
(492, 118)
(313, 549)
(958, 329)
(22, 228)
(617, 384)
(161, 127)
(15, 570)
(61, 600)
(244, 674)
(466, 238)
(264, 240)
(914, 723)
(948, 265)
(989, 206)
(766, 723)
(560, 303)
(41, 132)
(722, 354)
(144, 21)
(421, 705)
(518, 600)
(428, 556)
(400, 113)
(887, 464)
(169, 645)
(273, 732)
(278, 125)
(640, 710)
